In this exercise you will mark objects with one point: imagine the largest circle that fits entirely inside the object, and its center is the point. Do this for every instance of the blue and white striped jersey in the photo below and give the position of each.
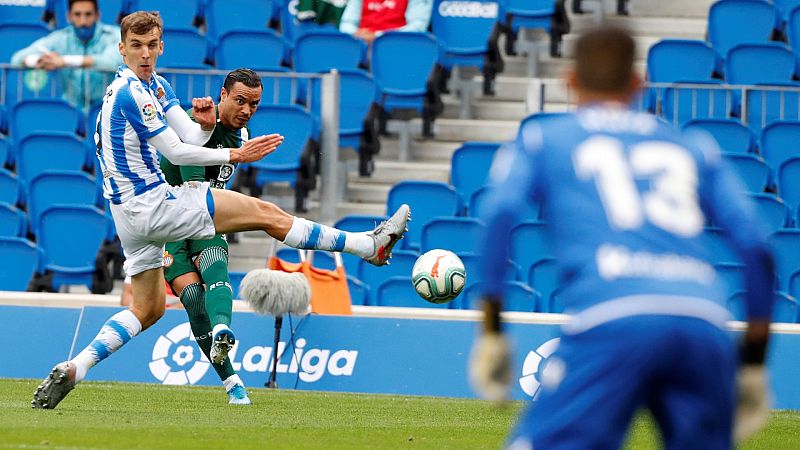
(132, 112)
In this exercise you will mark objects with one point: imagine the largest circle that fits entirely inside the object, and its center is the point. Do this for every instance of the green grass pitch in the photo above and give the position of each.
(148, 416)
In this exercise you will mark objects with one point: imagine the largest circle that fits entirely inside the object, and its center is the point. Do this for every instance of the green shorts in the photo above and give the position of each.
(179, 256)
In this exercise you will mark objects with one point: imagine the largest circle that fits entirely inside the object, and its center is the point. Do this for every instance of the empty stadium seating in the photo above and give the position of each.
(469, 168)
(26, 257)
(730, 134)
(12, 221)
(427, 200)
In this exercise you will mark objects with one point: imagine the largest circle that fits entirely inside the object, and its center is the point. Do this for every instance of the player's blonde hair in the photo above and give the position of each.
(141, 22)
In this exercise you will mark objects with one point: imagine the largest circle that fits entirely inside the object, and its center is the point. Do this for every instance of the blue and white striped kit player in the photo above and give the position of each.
(627, 198)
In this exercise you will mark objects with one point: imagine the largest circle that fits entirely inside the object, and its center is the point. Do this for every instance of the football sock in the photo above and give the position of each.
(193, 300)
(314, 236)
(117, 330)
(232, 381)
(213, 265)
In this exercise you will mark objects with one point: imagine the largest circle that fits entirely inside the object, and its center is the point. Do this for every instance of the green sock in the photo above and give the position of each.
(213, 264)
(193, 300)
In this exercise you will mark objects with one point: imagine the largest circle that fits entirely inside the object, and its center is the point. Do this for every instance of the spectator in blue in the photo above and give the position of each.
(81, 52)
(367, 19)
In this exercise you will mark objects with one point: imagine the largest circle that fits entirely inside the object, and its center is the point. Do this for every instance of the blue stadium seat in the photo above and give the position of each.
(764, 63)
(70, 237)
(788, 187)
(752, 170)
(14, 36)
(463, 37)
(26, 117)
(427, 199)
(731, 275)
(479, 199)
(52, 188)
(402, 62)
(730, 134)
(682, 104)
(457, 234)
(6, 152)
(320, 50)
(179, 15)
(672, 60)
(183, 48)
(291, 28)
(518, 297)
(12, 221)
(295, 124)
(110, 10)
(529, 244)
(469, 168)
(544, 277)
(769, 103)
(257, 50)
(10, 187)
(19, 12)
(26, 258)
(718, 247)
(792, 30)
(399, 291)
(359, 292)
(732, 22)
(472, 264)
(784, 8)
(242, 15)
(779, 141)
(784, 307)
(772, 211)
(786, 247)
(236, 280)
(190, 85)
(39, 152)
(356, 223)
(530, 14)
(23, 84)
(373, 276)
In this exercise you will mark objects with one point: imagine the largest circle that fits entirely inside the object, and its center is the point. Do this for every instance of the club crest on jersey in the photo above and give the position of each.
(160, 92)
(168, 259)
(148, 112)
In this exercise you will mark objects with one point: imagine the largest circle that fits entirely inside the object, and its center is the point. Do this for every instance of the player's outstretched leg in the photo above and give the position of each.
(373, 246)
(117, 330)
(192, 297)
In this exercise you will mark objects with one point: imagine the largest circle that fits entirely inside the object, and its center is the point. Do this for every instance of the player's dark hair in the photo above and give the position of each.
(604, 59)
(71, 2)
(245, 76)
(140, 22)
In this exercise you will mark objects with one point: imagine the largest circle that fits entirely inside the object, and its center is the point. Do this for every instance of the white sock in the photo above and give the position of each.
(314, 236)
(232, 381)
(117, 330)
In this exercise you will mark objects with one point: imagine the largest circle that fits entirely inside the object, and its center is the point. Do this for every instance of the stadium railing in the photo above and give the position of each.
(17, 84)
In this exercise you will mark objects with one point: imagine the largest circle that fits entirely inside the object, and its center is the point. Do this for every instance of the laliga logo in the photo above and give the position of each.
(172, 354)
(177, 360)
(538, 369)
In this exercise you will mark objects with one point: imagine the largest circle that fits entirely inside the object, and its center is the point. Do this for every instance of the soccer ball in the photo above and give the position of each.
(438, 276)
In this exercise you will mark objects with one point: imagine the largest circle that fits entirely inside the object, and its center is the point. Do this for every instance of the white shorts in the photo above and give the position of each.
(163, 214)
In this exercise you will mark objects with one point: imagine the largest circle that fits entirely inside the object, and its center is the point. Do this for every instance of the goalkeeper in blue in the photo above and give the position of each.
(627, 198)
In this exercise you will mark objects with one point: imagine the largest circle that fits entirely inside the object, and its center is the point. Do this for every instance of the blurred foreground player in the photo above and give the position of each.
(627, 198)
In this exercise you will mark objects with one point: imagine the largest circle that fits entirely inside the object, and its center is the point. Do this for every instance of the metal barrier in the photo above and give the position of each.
(279, 88)
(668, 100)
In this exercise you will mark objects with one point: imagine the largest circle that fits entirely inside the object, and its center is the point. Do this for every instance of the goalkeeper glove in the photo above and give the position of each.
(753, 401)
(490, 367)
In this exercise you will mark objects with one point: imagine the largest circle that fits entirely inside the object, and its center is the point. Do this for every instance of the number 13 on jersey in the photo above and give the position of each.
(671, 201)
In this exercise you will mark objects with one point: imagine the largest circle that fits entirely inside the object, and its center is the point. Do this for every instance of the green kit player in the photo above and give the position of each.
(188, 264)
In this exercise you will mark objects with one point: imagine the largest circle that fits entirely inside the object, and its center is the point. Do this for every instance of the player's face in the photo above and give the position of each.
(83, 14)
(140, 52)
(238, 105)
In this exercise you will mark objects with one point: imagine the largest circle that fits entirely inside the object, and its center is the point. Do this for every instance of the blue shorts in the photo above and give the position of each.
(680, 368)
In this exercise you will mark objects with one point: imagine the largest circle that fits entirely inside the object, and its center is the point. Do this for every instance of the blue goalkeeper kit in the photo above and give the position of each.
(626, 199)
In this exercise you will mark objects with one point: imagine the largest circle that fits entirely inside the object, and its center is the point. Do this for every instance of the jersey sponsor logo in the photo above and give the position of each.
(167, 260)
(177, 360)
(471, 10)
(540, 368)
(617, 261)
(192, 184)
(149, 112)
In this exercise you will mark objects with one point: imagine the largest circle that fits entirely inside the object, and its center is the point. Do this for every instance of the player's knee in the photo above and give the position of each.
(268, 209)
(210, 256)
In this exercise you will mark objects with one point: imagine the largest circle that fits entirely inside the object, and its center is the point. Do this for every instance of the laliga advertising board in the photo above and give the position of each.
(409, 356)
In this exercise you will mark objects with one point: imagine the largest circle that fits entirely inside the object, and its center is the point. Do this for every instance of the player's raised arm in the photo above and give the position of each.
(195, 132)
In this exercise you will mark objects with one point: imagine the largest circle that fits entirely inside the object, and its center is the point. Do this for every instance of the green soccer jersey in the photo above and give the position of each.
(217, 176)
